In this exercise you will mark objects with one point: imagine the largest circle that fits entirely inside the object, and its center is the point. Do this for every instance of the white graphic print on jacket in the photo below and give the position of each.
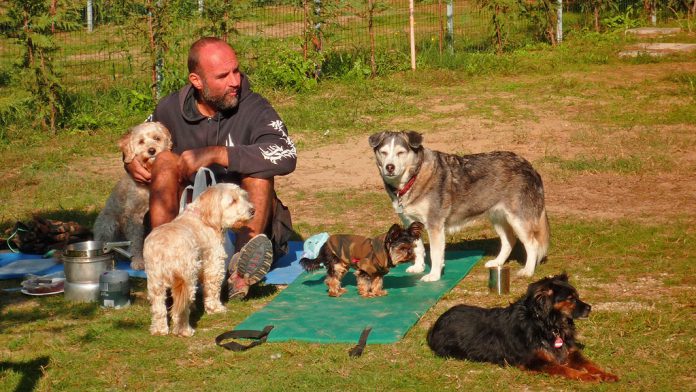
(274, 153)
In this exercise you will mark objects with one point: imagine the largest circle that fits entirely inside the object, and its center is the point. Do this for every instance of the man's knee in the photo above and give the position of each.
(166, 161)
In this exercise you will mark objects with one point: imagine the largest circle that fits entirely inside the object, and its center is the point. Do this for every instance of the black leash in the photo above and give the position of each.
(360, 347)
(259, 336)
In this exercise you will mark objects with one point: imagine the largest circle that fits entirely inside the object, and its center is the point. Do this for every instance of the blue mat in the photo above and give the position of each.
(17, 265)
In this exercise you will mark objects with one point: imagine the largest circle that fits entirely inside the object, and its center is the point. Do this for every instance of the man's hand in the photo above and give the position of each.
(138, 172)
(192, 160)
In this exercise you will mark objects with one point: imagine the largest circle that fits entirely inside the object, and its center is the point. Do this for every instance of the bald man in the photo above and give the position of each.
(218, 122)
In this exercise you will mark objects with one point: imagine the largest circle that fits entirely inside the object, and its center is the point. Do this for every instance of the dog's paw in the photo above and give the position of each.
(215, 308)
(137, 263)
(186, 331)
(588, 377)
(415, 269)
(493, 263)
(158, 330)
(525, 273)
(431, 277)
(608, 377)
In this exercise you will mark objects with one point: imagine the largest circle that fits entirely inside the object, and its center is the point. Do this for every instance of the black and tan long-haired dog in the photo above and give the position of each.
(534, 333)
(371, 257)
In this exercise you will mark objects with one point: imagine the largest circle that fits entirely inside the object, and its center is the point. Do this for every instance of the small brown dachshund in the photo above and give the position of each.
(371, 257)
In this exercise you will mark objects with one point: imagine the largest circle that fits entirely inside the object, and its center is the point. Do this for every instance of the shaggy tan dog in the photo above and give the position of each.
(122, 216)
(191, 247)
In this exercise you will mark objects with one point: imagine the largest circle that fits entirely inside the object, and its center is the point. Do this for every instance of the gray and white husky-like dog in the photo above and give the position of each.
(445, 192)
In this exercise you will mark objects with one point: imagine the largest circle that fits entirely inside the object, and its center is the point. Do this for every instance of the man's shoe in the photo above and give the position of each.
(250, 265)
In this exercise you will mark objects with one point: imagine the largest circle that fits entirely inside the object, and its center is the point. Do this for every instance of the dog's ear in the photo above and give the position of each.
(415, 139)
(209, 207)
(393, 233)
(563, 277)
(541, 295)
(124, 143)
(167, 135)
(376, 139)
(416, 229)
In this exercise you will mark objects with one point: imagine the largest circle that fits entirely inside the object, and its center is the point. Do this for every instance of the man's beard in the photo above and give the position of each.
(220, 103)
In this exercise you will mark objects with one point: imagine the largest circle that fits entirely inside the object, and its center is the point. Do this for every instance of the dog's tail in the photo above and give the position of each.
(180, 295)
(310, 265)
(542, 235)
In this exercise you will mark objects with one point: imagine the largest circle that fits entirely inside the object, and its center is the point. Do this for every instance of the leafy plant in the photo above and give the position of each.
(220, 16)
(500, 13)
(31, 24)
(279, 66)
(543, 18)
(621, 20)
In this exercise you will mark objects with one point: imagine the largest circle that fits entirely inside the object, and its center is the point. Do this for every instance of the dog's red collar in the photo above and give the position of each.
(406, 187)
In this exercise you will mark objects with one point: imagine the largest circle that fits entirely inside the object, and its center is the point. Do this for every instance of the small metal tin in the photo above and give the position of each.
(114, 289)
(499, 279)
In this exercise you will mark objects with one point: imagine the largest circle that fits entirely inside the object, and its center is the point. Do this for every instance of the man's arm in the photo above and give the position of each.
(271, 151)
(191, 160)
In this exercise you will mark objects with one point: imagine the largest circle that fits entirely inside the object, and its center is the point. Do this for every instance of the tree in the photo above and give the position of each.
(220, 16)
(499, 9)
(31, 23)
(542, 15)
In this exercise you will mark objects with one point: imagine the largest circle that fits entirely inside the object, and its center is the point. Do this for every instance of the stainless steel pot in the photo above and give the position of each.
(87, 269)
(85, 261)
(81, 292)
(95, 248)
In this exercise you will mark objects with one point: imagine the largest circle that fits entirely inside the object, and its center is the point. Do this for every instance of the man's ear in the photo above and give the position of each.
(196, 80)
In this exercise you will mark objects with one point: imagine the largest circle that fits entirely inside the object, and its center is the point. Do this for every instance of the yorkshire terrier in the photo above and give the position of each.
(372, 258)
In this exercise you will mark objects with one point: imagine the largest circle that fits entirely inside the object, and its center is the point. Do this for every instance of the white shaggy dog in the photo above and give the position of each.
(122, 216)
(191, 247)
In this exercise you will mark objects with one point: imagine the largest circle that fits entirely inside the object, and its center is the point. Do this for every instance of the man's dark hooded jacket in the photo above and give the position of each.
(256, 139)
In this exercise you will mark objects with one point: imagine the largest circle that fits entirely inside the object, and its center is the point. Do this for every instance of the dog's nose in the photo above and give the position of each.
(151, 151)
(390, 168)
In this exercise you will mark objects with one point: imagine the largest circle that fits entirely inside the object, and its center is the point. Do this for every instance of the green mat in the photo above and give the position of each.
(305, 312)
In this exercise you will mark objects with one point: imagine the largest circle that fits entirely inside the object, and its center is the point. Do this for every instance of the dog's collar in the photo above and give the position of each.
(558, 340)
(406, 187)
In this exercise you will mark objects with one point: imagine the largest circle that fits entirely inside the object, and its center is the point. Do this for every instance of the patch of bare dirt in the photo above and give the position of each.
(662, 189)
(654, 195)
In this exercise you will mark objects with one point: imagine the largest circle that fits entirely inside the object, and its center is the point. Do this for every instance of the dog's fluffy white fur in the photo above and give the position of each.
(189, 248)
(122, 216)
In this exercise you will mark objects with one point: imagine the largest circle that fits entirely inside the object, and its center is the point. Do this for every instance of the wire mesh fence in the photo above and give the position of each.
(113, 45)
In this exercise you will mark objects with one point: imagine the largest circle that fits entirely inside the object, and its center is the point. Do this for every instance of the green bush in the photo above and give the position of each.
(279, 66)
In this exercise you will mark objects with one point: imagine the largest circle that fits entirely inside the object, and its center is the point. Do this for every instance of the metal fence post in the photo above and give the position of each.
(412, 33)
(90, 23)
(559, 22)
(450, 25)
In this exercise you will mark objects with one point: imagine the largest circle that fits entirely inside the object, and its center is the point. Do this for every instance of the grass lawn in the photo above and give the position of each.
(613, 139)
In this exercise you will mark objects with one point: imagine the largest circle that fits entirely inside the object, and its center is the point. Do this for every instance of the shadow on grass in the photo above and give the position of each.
(31, 372)
(48, 308)
(490, 248)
